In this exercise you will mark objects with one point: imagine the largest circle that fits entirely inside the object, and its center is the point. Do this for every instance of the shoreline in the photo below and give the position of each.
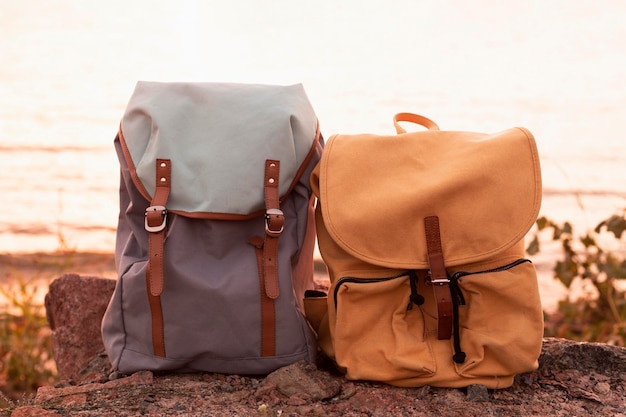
(43, 267)
(46, 266)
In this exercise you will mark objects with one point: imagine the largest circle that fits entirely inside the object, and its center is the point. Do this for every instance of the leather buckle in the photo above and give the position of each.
(440, 281)
(158, 228)
(268, 220)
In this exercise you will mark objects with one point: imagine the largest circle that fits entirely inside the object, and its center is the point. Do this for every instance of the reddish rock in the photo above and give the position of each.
(547, 391)
(74, 308)
(31, 411)
(65, 395)
(573, 379)
(559, 354)
(304, 378)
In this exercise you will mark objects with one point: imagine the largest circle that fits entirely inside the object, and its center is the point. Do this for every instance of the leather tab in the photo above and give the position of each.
(272, 171)
(439, 278)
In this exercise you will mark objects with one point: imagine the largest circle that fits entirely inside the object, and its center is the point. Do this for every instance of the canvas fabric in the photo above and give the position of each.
(390, 315)
(212, 145)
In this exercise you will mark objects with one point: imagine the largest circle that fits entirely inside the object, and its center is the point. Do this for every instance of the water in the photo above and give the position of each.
(68, 68)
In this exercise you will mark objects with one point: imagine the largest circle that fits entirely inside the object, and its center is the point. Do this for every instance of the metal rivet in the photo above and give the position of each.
(163, 164)
(272, 165)
(271, 180)
(163, 179)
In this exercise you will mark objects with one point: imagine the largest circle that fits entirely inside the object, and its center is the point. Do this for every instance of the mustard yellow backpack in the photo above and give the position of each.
(423, 237)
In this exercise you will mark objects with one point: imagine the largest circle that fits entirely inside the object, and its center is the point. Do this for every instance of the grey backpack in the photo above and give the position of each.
(216, 229)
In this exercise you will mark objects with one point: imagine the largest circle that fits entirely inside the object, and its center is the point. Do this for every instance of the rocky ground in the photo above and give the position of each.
(573, 379)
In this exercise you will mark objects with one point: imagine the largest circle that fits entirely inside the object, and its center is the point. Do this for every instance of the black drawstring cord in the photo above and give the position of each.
(415, 297)
(457, 298)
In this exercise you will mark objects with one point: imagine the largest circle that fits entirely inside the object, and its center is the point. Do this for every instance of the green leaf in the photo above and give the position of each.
(567, 228)
(588, 241)
(533, 247)
(565, 272)
(615, 224)
(542, 223)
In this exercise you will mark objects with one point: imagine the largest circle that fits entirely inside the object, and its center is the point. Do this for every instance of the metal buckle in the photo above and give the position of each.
(154, 229)
(431, 281)
(275, 212)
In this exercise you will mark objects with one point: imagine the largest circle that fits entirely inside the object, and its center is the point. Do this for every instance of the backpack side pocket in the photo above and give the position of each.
(376, 331)
(501, 321)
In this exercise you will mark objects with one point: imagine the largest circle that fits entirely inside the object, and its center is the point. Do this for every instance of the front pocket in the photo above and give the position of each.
(500, 320)
(375, 335)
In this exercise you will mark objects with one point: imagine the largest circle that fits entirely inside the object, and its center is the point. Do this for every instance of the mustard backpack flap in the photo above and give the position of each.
(423, 237)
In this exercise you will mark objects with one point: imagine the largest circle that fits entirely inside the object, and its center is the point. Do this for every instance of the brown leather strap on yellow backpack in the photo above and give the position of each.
(439, 278)
(155, 224)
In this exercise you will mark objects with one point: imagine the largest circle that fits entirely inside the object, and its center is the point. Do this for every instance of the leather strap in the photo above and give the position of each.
(274, 223)
(439, 278)
(266, 250)
(155, 224)
(268, 306)
(413, 118)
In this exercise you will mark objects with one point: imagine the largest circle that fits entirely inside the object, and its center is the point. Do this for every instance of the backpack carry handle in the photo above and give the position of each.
(413, 118)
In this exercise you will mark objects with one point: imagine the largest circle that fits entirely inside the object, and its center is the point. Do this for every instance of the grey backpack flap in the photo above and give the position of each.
(216, 230)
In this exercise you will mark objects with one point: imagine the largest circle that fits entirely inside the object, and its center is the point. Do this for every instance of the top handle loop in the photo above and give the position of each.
(413, 118)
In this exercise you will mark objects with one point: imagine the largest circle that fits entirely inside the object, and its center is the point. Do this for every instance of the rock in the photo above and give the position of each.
(97, 370)
(52, 395)
(30, 411)
(304, 389)
(573, 379)
(304, 378)
(568, 354)
(74, 308)
(477, 393)
(602, 388)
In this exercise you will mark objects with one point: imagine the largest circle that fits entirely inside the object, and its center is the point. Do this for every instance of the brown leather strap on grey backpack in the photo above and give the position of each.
(266, 249)
(155, 224)
(268, 306)
(439, 278)
(274, 223)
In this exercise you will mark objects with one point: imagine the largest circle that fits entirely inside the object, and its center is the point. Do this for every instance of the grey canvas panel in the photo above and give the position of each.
(223, 133)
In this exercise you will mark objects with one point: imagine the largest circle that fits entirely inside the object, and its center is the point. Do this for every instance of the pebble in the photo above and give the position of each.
(477, 393)
(602, 388)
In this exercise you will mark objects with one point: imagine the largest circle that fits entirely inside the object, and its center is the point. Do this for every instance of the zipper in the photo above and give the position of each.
(355, 280)
(460, 274)
(498, 269)
(455, 277)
